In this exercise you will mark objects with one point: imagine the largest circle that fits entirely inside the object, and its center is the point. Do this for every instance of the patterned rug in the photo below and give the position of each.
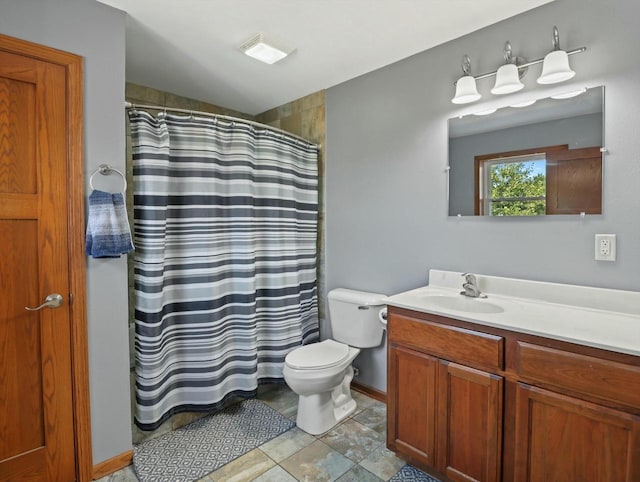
(201, 447)
(410, 473)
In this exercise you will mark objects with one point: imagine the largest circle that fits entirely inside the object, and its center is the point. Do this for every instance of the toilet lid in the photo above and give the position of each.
(317, 355)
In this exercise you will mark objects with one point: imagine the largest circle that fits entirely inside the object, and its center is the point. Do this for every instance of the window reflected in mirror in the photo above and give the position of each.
(511, 186)
(553, 180)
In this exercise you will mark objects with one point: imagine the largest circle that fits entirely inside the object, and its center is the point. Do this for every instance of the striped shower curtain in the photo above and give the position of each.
(225, 260)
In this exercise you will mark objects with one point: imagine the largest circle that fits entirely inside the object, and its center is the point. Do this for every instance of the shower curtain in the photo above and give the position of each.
(225, 262)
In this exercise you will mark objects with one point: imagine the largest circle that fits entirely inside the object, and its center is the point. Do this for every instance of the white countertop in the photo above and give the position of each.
(610, 320)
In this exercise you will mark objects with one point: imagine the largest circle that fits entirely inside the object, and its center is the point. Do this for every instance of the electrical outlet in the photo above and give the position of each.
(605, 247)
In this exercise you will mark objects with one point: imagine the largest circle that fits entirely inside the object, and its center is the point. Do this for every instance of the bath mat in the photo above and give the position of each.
(409, 472)
(193, 451)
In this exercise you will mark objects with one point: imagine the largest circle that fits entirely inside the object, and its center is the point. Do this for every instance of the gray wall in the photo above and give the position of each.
(386, 212)
(577, 132)
(96, 32)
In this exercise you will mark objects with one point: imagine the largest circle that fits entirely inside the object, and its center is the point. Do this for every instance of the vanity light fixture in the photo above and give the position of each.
(508, 76)
(466, 90)
(258, 48)
(555, 69)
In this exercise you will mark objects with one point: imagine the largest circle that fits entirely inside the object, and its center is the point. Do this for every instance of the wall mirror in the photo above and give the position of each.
(529, 159)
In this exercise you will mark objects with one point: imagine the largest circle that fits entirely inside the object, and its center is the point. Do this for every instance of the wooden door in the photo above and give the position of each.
(567, 439)
(469, 423)
(574, 181)
(411, 404)
(37, 433)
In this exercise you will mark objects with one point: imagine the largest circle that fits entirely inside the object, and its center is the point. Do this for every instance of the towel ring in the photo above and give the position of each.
(106, 170)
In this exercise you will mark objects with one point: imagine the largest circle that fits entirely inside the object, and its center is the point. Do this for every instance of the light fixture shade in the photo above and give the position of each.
(466, 90)
(569, 95)
(524, 103)
(507, 80)
(485, 112)
(555, 68)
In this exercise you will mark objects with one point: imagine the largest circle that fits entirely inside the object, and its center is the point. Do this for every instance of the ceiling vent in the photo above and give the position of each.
(258, 48)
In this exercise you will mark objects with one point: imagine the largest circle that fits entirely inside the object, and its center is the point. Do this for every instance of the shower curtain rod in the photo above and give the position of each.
(129, 105)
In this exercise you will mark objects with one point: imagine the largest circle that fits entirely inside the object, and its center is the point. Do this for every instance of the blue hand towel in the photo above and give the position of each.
(108, 233)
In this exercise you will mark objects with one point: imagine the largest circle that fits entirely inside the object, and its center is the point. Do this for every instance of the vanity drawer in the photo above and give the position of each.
(448, 342)
(583, 374)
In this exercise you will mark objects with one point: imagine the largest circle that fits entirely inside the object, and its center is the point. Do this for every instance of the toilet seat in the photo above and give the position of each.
(325, 354)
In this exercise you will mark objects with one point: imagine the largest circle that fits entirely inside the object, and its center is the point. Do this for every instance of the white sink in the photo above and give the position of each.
(598, 317)
(463, 303)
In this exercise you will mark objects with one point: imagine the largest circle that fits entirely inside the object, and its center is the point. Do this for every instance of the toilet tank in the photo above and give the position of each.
(354, 317)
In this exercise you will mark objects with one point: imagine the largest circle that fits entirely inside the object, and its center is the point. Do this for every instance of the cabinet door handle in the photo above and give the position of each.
(51, 301)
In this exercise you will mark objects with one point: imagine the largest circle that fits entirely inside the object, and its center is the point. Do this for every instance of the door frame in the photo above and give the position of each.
(73, 65)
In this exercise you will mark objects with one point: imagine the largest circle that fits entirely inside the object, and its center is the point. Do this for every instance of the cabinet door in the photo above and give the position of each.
(567, 439)
(469, 423)
(411, 403)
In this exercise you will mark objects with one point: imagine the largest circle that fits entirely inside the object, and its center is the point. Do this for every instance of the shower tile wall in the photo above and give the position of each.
(304, 117)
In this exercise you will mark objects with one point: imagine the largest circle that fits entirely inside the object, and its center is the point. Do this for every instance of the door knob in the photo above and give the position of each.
(52, 301)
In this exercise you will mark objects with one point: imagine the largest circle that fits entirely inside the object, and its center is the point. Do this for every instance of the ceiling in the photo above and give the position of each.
(191, 47)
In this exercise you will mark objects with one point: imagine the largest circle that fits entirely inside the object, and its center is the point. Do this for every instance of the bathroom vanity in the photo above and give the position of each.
(537, 382)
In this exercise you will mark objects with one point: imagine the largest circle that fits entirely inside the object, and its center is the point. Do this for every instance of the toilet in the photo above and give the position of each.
(321, 373)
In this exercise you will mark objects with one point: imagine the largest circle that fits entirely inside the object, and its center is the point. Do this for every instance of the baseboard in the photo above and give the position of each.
(112, 465)
(369, 391)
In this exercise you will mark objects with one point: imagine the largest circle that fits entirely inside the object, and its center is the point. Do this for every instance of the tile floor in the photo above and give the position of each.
(354, 450)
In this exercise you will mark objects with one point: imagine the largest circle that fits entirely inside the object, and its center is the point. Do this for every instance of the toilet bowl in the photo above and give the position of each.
(321, 373)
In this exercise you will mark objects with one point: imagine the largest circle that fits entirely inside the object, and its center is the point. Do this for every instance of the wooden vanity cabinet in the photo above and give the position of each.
(443, 414)
(412, 430)
(469, 430)
(567, 439)
(473, 405)
(584, 425)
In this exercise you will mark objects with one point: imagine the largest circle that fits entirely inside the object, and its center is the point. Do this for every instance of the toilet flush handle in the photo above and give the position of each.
(363, 307)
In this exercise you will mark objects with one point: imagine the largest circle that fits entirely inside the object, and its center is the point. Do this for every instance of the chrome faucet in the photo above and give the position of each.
(471, 287)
